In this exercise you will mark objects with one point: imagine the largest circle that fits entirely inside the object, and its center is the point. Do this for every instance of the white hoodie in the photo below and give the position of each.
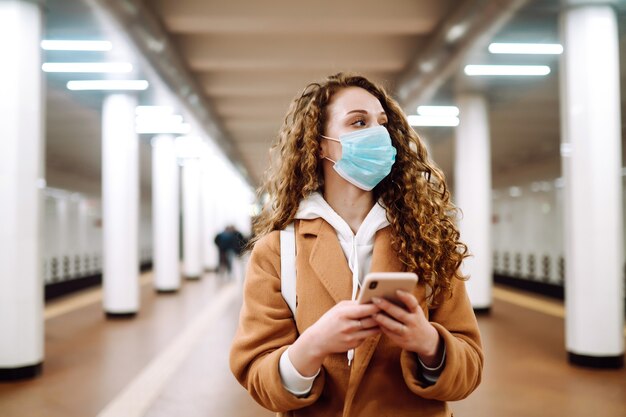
(358, 250)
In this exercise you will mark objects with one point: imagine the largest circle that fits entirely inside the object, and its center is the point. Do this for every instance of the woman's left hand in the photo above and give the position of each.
(409, 328)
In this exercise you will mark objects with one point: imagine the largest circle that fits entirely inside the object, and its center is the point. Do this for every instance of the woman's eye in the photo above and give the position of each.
(359, 122)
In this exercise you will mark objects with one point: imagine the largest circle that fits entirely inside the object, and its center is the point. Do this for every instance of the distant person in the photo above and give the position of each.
(356, 181)
(230, 243)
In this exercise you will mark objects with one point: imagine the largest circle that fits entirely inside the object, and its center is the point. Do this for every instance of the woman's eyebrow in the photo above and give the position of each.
(382, 113)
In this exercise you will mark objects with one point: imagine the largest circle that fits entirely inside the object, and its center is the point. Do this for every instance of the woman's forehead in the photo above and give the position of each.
(349, 99)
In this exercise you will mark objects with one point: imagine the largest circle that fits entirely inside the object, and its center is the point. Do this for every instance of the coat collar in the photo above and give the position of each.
(310, 227)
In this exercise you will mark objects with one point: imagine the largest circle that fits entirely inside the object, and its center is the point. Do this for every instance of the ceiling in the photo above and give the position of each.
(249, 59)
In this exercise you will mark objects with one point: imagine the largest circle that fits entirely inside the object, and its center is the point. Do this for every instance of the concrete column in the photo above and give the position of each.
(120, 201)
(165, 212)
(21, 171)
(591, 155)
(192, 237)
(472, 189)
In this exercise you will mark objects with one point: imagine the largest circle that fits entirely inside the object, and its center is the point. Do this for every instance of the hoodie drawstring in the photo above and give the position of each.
(354, 255)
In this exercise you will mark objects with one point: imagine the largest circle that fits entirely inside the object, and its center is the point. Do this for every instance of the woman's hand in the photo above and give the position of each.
(343, 327)
(408, 328)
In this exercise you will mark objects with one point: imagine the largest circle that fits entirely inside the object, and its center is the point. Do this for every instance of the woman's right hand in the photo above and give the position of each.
(343, 327)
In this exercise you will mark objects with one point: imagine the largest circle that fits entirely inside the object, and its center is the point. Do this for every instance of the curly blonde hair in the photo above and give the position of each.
(414, 194)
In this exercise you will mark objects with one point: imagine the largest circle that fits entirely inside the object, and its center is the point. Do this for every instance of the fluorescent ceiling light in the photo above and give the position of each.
(58, 45)
(438, 111)
(153, 110)
(456, 32)
(507, 69)
(526, 48)
(108, 85)
(419, 120)
(159, 119)
(164, 128)
(87, 67)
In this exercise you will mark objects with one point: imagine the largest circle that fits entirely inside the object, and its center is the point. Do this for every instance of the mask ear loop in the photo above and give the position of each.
(333, 139)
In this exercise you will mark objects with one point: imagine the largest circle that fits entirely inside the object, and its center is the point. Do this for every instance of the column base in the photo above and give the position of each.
(193, 277)
(599, 362)
(167, 291)
(482, 311)
(24, 372)
(115, 316)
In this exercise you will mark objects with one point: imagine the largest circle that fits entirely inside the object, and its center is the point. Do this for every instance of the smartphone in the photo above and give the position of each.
(385, 284)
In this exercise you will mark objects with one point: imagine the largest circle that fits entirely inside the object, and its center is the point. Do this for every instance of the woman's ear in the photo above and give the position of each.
(323, 149)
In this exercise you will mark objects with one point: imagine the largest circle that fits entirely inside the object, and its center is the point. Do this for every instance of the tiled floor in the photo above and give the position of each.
(91, 360)
(527, 375)
(204, 386)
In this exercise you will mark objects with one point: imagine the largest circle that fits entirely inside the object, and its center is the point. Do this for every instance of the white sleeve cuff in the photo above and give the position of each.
(298, 385)
(431, 375)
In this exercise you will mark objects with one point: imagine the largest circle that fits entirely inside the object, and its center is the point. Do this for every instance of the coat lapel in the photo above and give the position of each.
(327, 259)
(384, 259)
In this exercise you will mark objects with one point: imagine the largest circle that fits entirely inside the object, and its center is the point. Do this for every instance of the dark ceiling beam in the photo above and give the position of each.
(149, 37)
(472, 24)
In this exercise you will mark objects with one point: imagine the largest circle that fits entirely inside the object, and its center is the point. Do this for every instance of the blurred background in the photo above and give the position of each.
(133, 133)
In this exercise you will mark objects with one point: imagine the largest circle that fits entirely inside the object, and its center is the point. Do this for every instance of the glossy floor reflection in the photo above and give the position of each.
(526, 371)
(91, 361)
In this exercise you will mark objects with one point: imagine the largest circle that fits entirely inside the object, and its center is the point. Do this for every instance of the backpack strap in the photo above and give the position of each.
(288, 266)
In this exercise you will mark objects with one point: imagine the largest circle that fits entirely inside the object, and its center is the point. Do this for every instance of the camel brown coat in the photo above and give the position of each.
(383, 379)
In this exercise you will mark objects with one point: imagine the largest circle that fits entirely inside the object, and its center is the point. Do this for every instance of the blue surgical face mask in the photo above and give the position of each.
(366, 156)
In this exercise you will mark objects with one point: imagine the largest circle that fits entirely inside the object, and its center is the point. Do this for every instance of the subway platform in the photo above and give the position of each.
(172, 359)
(135, 132)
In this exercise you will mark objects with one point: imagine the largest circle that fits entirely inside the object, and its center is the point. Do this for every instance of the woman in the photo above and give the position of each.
(356, 181)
